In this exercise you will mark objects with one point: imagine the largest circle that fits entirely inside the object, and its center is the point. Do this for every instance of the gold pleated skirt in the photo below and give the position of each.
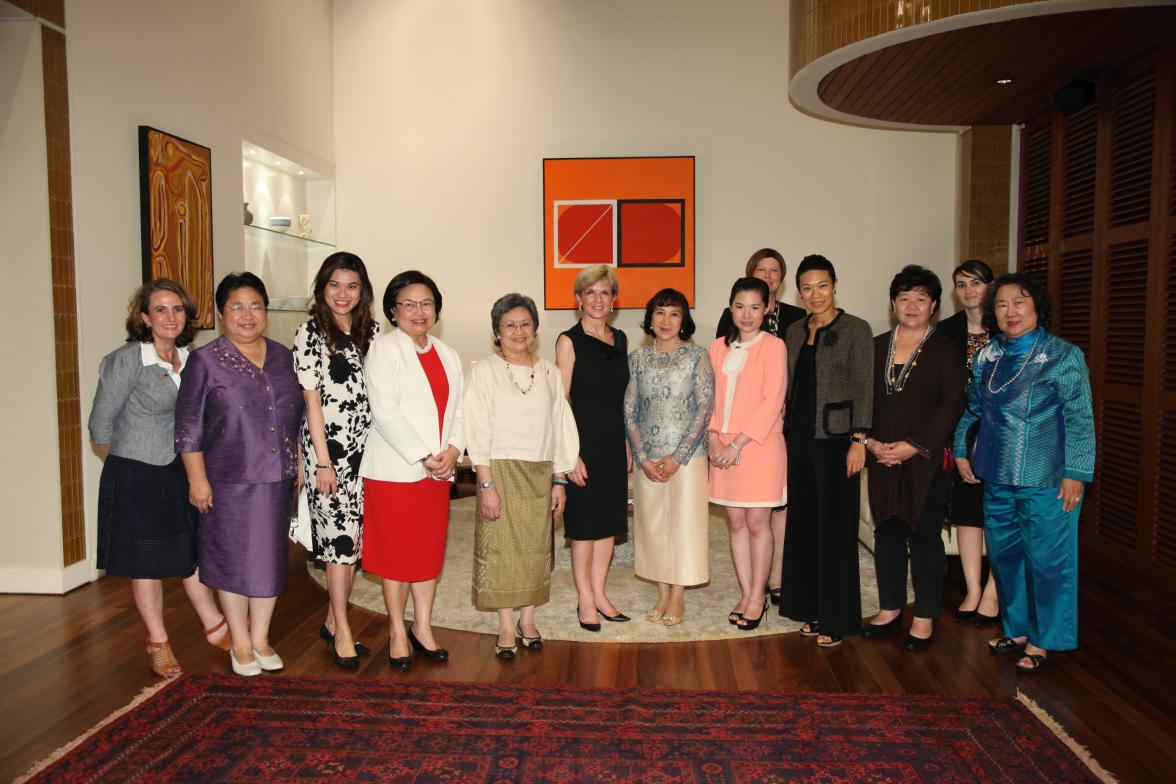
(670, 526)
(513, 554)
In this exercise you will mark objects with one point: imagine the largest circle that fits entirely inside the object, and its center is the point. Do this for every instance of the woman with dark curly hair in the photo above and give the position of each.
(329, 350)
(146, 527)
(1034, 450)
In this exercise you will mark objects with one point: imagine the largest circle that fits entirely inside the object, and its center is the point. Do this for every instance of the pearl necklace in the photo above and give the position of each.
(897, 384)
(510, 374)
(1020, 370)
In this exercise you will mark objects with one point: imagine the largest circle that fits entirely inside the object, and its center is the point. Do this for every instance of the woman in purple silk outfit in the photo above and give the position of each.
(238, 415)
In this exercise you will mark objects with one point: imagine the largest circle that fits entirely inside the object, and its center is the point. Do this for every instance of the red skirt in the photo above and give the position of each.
(404, 528)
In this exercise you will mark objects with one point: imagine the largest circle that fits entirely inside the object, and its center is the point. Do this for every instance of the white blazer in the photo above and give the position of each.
(404, 427)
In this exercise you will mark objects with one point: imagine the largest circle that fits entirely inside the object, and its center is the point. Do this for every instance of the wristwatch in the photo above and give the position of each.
(859, 439)
(486, 485)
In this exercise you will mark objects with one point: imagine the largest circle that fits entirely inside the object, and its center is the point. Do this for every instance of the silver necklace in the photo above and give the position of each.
(1020, 370)
(898, 383)
(510, 374)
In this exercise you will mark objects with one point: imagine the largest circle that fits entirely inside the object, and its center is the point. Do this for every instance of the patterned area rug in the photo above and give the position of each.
(706, 605)
(205, 727)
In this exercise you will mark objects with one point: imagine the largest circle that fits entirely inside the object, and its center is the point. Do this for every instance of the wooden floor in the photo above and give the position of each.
(67, 662)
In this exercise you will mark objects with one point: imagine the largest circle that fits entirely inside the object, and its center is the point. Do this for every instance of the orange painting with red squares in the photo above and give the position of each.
(633, 214)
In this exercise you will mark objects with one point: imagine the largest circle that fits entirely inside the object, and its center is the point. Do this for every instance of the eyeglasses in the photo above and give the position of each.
(410, 305)
(238, 308)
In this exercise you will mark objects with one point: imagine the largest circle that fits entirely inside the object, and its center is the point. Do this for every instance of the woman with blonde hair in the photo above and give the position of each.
(593, 361)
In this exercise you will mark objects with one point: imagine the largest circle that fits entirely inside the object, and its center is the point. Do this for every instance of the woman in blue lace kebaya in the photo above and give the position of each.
(1034, 450)
(667, 406)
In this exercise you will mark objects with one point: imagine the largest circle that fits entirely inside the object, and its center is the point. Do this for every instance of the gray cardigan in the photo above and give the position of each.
(134, 407)
(845, 374)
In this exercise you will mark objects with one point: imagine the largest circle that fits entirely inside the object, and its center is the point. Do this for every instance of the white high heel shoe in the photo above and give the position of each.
(271, 663)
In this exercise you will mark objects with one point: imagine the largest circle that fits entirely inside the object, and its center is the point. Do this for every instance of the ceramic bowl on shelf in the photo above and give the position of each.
(279, 223)
(297, 303)
(277, 303)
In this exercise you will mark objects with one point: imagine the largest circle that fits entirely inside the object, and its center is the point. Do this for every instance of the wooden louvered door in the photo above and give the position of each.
(1098, 224)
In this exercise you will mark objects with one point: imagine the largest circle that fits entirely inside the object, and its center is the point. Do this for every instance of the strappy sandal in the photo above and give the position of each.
(1036, 662)
(828, 642)
(810, 629)
(1005, 645)
(163, 661)
(225, 643)
(669, 619)
(654, 615)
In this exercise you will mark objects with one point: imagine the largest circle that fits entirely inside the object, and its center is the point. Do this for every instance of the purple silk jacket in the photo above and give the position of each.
(243, 418)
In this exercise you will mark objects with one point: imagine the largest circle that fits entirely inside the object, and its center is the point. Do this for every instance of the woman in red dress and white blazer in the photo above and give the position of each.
(414, 383)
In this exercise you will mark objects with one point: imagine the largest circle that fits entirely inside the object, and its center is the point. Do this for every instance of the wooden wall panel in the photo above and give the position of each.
(1098, 224)
(986, 155)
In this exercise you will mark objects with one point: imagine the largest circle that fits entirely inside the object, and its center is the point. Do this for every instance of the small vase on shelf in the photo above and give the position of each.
(304, 227)
(248, 215)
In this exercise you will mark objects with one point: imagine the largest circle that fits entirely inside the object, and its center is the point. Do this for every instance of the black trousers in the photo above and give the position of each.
(821, 581)
(928, 562)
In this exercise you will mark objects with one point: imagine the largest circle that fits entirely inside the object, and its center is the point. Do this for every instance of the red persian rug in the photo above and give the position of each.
(211, 728)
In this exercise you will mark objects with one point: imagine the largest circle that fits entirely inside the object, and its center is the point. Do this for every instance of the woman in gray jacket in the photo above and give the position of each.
(829, 412)
(146, 528)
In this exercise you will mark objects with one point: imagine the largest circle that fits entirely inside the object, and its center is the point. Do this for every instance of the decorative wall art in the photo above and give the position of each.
(634, 214)
(175, 196)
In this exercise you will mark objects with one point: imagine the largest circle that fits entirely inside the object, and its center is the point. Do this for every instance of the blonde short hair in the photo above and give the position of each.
(590, 276)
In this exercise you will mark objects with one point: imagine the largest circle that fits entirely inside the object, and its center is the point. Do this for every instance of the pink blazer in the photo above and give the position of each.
(758, 406)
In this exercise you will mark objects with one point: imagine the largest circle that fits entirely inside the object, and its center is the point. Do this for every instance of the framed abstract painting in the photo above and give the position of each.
(175, 197)
(633, 214)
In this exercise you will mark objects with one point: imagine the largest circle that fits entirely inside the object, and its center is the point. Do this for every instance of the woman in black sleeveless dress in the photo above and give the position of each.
(594, 361)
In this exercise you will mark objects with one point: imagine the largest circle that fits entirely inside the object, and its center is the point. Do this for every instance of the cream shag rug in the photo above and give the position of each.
(706, 605)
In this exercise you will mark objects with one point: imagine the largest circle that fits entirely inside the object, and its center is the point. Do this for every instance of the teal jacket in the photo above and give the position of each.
(1036, 418)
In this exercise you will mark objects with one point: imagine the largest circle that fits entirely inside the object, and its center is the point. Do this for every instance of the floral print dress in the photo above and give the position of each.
(338, 378)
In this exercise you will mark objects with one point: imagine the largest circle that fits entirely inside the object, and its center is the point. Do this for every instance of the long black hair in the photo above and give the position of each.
(363, 325)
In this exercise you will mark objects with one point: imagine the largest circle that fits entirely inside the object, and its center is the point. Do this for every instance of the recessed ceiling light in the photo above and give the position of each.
(301, 172)
(253, 152)
(277, 163)
(1004, 81)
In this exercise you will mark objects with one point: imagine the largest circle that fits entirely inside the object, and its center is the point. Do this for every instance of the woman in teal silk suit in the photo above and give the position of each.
(1035, 450)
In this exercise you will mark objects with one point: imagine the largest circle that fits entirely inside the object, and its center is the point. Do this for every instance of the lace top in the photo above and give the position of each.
(668, 403)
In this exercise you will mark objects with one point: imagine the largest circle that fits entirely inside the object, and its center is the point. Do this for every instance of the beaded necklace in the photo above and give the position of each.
(1020, 370)
(510, 374)
(896, 383)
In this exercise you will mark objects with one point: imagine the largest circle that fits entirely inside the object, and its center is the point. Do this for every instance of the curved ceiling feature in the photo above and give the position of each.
(944, 74)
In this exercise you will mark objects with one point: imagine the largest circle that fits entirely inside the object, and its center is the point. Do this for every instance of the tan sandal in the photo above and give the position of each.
(669, 619)
(225, 643)
(163, 661)
(654, 615)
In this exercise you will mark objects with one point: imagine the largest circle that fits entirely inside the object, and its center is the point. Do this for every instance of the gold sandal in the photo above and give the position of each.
(163, 661)
(654, 615)
(670, 619)
(225, 643)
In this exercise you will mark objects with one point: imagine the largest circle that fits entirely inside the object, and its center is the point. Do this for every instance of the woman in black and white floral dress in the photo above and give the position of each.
(329, 350)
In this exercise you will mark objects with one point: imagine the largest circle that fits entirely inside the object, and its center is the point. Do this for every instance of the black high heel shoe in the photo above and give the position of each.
(981, 620)
(346, 662)
(913, 643)
(329, 639)
(438, 654)
(400, 662)
(746, 624)
(588, 627)
(620, 617)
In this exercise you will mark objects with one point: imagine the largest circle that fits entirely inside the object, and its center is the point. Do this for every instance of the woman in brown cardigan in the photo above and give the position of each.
(918, 398)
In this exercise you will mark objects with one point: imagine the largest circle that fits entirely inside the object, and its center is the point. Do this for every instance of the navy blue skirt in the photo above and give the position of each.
(146, 527)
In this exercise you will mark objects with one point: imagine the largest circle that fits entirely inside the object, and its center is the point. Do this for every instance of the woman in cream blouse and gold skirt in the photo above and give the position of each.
(521, 438)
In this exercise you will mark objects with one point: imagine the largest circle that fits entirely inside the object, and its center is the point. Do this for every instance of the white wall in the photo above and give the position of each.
(30, 527)
(446, 108)
(200, 70)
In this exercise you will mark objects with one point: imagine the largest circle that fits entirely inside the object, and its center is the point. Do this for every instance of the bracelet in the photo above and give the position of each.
(486, 485)
(737, 448)
(559, 481)
(317, 466)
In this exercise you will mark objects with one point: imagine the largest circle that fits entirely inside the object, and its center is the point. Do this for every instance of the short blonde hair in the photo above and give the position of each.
(590, 276)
